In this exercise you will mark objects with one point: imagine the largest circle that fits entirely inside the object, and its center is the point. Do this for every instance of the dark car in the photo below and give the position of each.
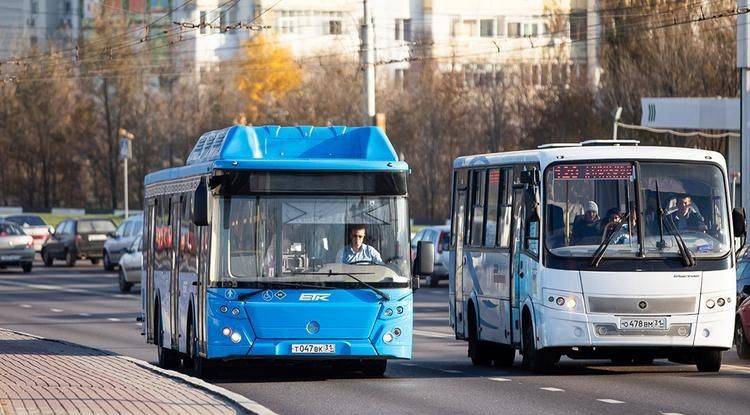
(742, 321)
(16, 248)
(440, 236)
(76, 239)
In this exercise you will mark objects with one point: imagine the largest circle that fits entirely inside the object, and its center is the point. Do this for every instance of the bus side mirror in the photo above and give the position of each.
(738, 222)
(424, 263)
(200, 205)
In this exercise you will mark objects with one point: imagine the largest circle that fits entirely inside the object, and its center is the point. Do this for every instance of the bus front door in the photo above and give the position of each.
(459, 262)
(516, 265)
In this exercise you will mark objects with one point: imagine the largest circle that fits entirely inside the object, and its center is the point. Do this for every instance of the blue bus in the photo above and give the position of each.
(281, 243)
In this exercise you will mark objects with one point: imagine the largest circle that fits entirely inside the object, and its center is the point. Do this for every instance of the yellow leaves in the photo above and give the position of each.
(267, 72)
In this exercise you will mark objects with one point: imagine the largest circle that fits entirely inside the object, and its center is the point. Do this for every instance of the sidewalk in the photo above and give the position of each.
(39, 376)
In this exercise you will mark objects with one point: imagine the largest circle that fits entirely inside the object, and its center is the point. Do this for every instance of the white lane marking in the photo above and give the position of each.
(550, 389)
(500, 379)
(113, 319)
(25, 306)
(433, 334)
(735, 367)
(55, 310)
(122, 296)
(450, 371)
(84, 314)
(408, 364)
(670, 413)
(610, 401)
(139, 324)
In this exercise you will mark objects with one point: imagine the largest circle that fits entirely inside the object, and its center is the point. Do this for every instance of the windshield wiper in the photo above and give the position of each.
(687, 256)
(246, 296)
(377, 291)
(599, 253)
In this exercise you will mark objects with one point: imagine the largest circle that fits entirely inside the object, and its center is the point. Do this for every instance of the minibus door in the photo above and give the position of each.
(174, 283)
(516, 264)
(460, 260)
(148, 261)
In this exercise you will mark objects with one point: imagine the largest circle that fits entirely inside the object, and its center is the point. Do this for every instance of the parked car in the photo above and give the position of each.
(131, 263)
(742, 320)
(76, 239)
(440, 236)
(119, 240)
(34, 226)
(16, 248)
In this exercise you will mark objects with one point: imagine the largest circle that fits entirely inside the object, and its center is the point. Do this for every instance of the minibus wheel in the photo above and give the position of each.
(708, 360)
(479, 352)
(537, 360)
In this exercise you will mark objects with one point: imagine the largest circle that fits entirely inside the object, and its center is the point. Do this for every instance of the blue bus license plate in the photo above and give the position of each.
(643, 323)
(313, 348)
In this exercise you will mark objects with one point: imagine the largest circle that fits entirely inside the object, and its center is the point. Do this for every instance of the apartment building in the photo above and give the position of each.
(26, 24)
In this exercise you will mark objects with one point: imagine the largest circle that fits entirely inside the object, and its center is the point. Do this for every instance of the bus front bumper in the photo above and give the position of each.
(557, 328)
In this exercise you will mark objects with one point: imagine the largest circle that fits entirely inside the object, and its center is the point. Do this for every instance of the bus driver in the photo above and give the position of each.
(357, 250)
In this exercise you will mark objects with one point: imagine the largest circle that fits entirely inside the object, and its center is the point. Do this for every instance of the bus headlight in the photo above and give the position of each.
(235, 337)
(387, 337)
(710, 303)
(223, 309)
(562, 300)
(226, 331)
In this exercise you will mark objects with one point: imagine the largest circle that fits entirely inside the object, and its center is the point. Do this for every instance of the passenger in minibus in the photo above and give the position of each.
(586, 227)
(686, 217)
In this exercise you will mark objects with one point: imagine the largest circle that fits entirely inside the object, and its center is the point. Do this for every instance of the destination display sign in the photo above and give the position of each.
(599, 171)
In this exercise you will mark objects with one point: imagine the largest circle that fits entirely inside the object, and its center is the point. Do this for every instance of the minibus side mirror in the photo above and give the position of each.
(738, 222)
(746, 290)
(200, 204)
(424, 263)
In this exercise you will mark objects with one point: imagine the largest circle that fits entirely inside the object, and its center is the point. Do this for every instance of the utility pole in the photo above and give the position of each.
(593, 32)
(368, 61)
(126, 152)
(743, 64)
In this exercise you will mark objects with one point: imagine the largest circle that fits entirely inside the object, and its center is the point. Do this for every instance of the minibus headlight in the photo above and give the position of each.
(710, 303)
(720, 302)
(560, 301)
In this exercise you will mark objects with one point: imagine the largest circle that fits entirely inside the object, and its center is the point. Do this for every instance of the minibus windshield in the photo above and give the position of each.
(587, 202)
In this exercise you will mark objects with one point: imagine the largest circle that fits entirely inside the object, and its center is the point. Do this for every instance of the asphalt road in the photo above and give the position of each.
(83, 305)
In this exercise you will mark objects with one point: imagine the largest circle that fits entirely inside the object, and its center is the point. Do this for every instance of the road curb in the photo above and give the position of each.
(247, 405)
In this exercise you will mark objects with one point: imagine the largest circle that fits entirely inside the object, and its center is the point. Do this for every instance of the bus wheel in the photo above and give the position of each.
(740, 341)
(199, 366)
(479, 352)
(374, 368)
(504, 356)
(708, 360)
(167, 358)
(538, 361)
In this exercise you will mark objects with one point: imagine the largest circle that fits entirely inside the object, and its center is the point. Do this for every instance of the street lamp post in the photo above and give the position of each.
(126, 153)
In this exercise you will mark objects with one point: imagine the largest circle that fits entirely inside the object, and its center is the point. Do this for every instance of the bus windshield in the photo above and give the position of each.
(300, 239)
(589, 203)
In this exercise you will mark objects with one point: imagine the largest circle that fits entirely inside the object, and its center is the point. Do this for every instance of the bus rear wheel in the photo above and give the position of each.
(708, 360)
(480, 352)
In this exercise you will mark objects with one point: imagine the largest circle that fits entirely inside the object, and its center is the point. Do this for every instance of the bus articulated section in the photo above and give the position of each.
(280, 243)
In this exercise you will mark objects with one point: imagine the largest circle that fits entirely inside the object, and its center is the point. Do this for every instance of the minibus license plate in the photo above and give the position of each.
(643, 323)
(313, 348)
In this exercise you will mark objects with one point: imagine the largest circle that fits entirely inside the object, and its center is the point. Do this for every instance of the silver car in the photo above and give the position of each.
(440, 236)
(120, 239)
(34, 226)
(16, 248)
(131, 263)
